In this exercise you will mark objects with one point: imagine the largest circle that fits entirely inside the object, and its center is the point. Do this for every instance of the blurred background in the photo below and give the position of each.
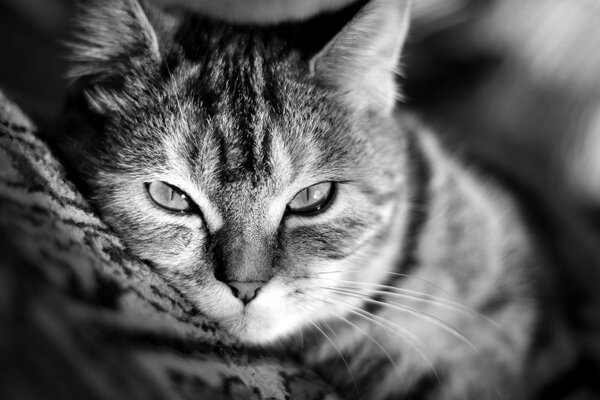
(515, 83)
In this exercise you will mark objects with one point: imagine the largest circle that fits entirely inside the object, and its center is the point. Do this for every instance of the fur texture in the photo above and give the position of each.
(419, 280)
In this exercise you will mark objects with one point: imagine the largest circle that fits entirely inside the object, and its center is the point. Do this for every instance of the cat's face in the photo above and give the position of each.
(229, 164)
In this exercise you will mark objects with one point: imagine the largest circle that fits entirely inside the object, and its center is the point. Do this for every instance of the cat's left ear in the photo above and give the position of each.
(362, 60)
(111, 37)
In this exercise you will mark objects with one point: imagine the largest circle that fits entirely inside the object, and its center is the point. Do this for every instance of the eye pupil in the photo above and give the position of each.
(168, 197)
(312, 199)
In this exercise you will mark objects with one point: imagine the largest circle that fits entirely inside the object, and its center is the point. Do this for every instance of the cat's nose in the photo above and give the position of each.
(245, 291)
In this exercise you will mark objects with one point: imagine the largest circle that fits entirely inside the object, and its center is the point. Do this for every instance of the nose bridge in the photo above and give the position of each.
(247, 249)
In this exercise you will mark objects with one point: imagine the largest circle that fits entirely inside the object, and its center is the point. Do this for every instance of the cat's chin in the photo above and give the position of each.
(256, 330)
(262, 324)
(253, 334)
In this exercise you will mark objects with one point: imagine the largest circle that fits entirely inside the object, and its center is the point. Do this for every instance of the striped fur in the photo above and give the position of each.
(242, 118)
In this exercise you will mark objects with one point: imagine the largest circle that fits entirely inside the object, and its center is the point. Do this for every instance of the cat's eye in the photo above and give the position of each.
(169, 197)
(312, 199)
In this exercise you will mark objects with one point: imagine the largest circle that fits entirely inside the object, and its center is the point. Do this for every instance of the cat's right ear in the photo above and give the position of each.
(110, 38)
(362, 59)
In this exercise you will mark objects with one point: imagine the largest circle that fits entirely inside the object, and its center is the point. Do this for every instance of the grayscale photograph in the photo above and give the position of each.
(300, 199)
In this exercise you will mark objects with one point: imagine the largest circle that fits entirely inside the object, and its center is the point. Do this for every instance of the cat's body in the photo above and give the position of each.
(196, 139)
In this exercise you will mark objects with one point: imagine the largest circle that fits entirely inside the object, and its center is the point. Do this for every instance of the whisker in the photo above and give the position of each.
(413, 294)
(331, 330)
(423, 297)
(398, 274)
(371, 338)
(416, 348)
(394, 328)
(425, 316)
(450, 301)
(338, 350)
(301, 339)
(371, 318)
(375, 318)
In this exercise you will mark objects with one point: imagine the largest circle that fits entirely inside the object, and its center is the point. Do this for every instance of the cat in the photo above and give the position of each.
(267, 173)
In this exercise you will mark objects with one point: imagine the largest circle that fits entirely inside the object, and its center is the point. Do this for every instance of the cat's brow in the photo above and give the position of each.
(212, 216)
(178, 167)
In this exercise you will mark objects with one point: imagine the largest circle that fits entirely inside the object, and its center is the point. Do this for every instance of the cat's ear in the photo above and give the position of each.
(362, 59)
(110, 38)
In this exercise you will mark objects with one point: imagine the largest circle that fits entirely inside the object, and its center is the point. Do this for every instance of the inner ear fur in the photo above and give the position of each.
(108, 35)
(109, 39)
(362, 60)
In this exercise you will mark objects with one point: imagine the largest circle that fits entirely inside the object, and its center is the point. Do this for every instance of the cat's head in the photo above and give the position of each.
(254, 171)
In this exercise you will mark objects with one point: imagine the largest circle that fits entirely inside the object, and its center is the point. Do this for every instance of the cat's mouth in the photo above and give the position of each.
(262, 321)
(252, 328)
(274, 314)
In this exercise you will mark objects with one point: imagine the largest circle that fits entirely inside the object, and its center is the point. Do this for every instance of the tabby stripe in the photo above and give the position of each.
(14, 127)
(424, 388)
(8, 201)
(20, 134)
(62, 201)
(419, 198)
